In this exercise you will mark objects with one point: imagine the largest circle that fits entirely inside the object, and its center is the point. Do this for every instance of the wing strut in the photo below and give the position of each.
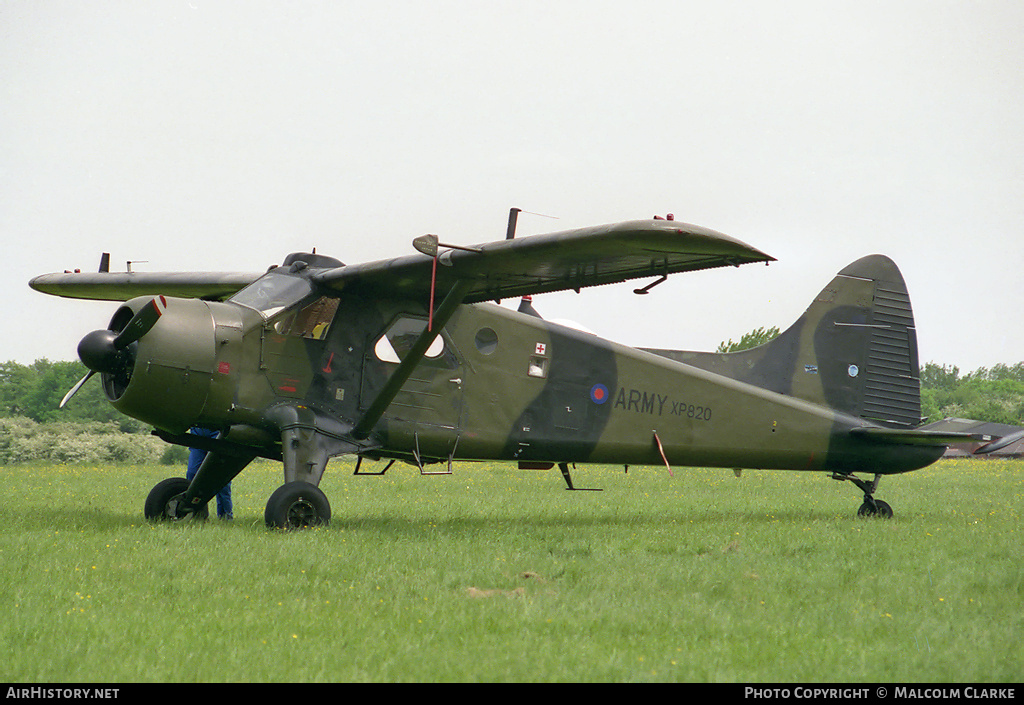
(412, 359)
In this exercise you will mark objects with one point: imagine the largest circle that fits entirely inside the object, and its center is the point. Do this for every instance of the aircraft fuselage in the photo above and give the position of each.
(495, 385)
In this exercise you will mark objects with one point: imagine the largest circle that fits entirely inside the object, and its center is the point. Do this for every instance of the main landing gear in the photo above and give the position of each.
(164, 502)
(293, 505)
(297, 505)
(871, 507)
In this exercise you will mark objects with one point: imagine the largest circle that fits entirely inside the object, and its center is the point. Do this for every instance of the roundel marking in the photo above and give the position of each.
(599, 394)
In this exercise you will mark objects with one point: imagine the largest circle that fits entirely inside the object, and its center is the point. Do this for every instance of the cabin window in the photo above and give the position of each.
(486, 340)
(399, 338)
(538, 367)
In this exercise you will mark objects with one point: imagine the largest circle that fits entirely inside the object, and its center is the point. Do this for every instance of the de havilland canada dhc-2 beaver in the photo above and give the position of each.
(410, 359)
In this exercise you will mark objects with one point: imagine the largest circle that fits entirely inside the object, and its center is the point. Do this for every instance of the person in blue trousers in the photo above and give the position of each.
(195, 459)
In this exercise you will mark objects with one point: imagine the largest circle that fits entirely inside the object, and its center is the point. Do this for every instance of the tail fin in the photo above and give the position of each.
(854, 349)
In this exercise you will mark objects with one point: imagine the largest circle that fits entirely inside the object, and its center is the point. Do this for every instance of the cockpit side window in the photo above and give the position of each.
(311, 321)
(273, 292)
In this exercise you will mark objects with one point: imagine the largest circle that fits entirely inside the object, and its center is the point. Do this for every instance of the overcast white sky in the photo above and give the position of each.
(199, 135)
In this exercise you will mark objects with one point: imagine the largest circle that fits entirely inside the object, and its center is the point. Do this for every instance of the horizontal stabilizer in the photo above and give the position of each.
(1001, 443)
(918, 437)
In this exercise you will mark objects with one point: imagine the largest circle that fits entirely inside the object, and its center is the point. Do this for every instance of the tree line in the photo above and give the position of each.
(987, 394)
(34, 392)
(87, 430)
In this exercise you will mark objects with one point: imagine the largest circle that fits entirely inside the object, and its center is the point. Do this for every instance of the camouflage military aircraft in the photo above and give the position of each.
(409, 359)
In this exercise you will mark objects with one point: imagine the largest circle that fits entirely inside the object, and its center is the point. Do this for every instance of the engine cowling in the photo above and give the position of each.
(163, 378)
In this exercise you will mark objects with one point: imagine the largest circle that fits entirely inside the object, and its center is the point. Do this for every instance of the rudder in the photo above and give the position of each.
(854, 349)
(867, 348)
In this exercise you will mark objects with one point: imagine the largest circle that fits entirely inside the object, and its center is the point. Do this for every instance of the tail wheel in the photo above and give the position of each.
(297, 505)
(871, 507)
(162, 502)
(881, 509)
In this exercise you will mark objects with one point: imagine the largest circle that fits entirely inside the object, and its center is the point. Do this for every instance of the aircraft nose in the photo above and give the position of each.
(98, 352)
(106, 350)
(159, 374)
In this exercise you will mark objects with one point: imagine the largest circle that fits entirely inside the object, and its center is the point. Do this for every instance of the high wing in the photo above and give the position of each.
(572, 259)
(121, 286)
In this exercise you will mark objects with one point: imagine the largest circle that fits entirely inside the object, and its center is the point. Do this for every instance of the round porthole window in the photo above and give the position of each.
(486, 340)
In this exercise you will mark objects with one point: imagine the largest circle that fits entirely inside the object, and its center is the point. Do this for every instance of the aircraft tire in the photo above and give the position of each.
(156, 508)
(297, 505)
(881, 510)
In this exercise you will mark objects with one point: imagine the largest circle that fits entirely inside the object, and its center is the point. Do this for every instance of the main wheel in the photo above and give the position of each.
(297, 505)
(880, 510)
(162, 502)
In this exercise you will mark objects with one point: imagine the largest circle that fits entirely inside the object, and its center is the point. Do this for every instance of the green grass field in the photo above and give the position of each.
(496, 574)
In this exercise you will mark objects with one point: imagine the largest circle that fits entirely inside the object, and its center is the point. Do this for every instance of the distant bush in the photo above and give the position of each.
(23, 440)
(174, 455)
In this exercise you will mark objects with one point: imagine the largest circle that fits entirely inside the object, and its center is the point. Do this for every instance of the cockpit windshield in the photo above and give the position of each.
(273, 292)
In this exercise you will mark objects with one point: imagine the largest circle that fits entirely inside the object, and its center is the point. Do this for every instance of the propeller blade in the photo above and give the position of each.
(75, 389)
(141, 323)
